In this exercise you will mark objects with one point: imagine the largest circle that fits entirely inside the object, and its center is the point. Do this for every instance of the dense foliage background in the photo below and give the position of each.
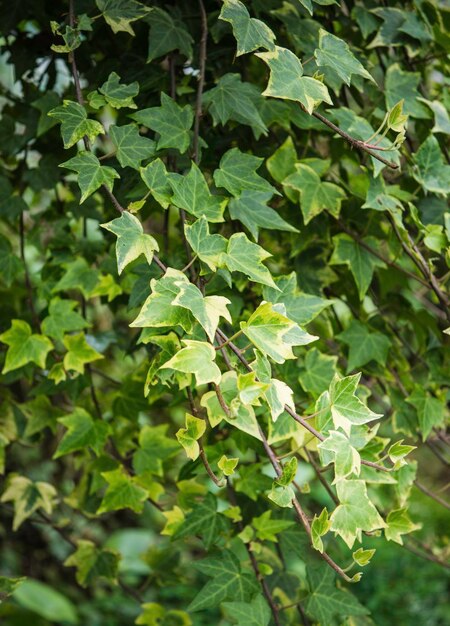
(224, 247)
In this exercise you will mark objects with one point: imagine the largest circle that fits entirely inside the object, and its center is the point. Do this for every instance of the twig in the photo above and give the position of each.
(431, 495)
(426, 555)
(201, 80)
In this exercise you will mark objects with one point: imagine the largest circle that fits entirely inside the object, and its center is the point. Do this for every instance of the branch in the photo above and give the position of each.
(431, 494)
(201, 80)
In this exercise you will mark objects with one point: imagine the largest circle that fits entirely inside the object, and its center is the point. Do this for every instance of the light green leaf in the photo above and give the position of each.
(156, 178)
(288, 473)
(273, 333)
(207, 310)
(237, 172)
(91, 174)
(79, 352)
(166, 34)
(24, 347)
(287, 81)
(123, 492)
(355, 512)
(82, 432)
(362, 557)
(282, 162)
(267, 528)
(131, 147)
(346, 408)
(430, 410)
(364, 345)
(75, 123)
(119, 14)
(244, 256)
(205, 521)
(397, 453)
(250, 33)
(281, 496)
(345, 457)
(430, 169)
(8, 586)
(441, 116)
(209, 248)
(197, 357)
(254, 613)
(319, 527)
(188, 437)
(62, 318)
(154, 614)
(278, 395)
(78, 275)
(171, 121)
(191, 192)
(335, 53)
(117, 95)
(227, 465)
(399, 523)
(45, 601)
(131, 240)
(28, 497)
(250, 389)
(251, 209)
(93, 563)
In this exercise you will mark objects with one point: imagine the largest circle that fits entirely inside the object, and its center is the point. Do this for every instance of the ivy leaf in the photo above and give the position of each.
(273, 333)
(93, 563)
(119, 14)
(79, 352)
(250, 389)
(24, 347)
(318, 371)
(335, 53)
(209, 248)
(131, 240)
(400, 85)
(78, 275)
(75, 124)
(237, 172)
(398, 524)
(8, 586)
(286, 79)
(244, 256)
(117, 95)
(319, 527)
(346, 408)
(228, 581)
(267, 528)
(226, 465)
(397, 453)
(166, 34)
(360, 261)
(131, 147)
(254, 613)
(203, 520)
(282, 162)
(123, 492)
(345, 457)
(188, 437)
(171, 121)
(11, 264)
(156, 178)
(364, 346)
(91, 174)
(82, 432)
(430, 169)
(362, 557)
(250, 33)
(154, 448)
(232, 99)
(191, 192)
(429, 410)
(28, 497)
(251, 209)
(62, 319)
(315, 196)
(197, 357)
(158, 311)
(355, 512)
(207, 310)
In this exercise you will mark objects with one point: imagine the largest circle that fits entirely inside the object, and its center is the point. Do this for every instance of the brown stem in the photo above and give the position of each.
(201, 80)
(429, 556)
(431, 494)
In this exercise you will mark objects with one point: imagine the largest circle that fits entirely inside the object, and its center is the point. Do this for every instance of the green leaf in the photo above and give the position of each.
(318, 371)
(227, 465)
(197, 357)
(346, 408)
(282, 162)
(228, 582)
(355, 513)
(362, 557)
(46, 602)
(335, 53)
(154, 449)
(250, 33)
(209, 248)
(93, 563)
(153, 613)
(78, 275)
(400, 85)
(273, 333)
(191, 192)
(365, 346)
(207, 310)
(75, 124)
(398, 524)
(24, 347)
(156, 178)
(345, 457)
(281, 496)
(123, 492)
(237, 172)
(166, 34)
(267, 528)
(158, 310)
(430, 169)
(286, 80)
(288, 473)
(319, 527)
(62, 319)
(82, 432)
(360, 261)
(171, 121)
(91, 174)
(119, 14)
(28, 497)
(232, 99)
(11, 265)
(131, 240)
(244, 256)
(441, 116)
(429, 410)
(397, 453)
(254, 613)
(8, 586)
(131, 147)
(79, 352)
(251, 209)
(117, 95)
(250, 389)
(188, 437)
(205, 521)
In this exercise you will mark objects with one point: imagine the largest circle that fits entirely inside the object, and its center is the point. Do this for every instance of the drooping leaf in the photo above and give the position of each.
(197, 357)
(335, 53)
(430, 169)
(131, 240)
(28, 497)
(399, 523)
(207, 310)
(120, 14)
(191, 192)
(237, 173)
(251, 209)
(319, 527)
(91, 174)
(188, 436)
(250, 33)
(166, 34)
(75, 123)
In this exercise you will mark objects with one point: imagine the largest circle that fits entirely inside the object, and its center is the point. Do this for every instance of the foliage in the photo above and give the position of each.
(224, 342)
